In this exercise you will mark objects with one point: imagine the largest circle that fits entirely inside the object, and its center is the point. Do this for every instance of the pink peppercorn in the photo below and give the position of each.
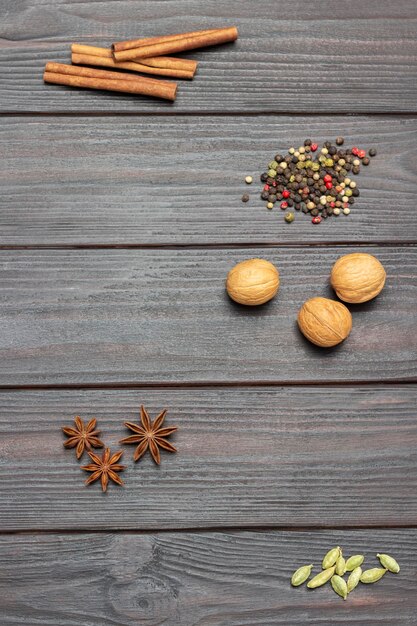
(327, 178)
(332, 204)
(285, 193)
(284, 205)
(361, 154)
(355, 150)
(329, 185)
(314, 147)
(267, 188)
(316, 220)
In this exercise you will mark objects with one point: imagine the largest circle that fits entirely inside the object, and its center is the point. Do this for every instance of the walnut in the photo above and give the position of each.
(357, 277)
(324, 322)
(252, 282)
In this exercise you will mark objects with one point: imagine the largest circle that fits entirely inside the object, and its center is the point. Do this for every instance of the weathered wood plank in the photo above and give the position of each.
(141, 316)
(356, 56)
(246, 456)
(162, 180)
(193, 579)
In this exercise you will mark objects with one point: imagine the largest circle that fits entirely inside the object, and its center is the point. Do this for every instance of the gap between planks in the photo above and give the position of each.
(197, 113)
(212, 246)
(208, 385)
(208, 529)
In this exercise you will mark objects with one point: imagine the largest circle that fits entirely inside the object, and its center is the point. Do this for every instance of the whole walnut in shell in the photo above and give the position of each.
(324, 322)
(252, 282)
(357, 277)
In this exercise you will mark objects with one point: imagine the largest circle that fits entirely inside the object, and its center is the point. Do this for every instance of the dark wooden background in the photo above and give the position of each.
(119, 219)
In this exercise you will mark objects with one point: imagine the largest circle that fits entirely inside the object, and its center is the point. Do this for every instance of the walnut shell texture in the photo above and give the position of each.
(357, 277)
(252, 282)
(324, 322)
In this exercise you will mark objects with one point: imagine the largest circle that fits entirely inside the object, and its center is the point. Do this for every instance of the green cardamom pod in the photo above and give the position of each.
(372, 575)
(339, 586)
(389, 563)
(331, 557)
(354, 578)
(321, 579)
(300, 576)
(340, 566)
(354, 561)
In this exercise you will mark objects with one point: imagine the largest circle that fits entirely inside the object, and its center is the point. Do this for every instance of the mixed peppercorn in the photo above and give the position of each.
(317, 183)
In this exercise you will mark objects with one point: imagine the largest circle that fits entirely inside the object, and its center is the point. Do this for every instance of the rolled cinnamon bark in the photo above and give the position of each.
(181, 68)
(74, 76)
(179, 44)
(86, 59)
(146, 41)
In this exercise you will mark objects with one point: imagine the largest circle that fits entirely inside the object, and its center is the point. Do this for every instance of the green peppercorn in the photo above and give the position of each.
(289, 217)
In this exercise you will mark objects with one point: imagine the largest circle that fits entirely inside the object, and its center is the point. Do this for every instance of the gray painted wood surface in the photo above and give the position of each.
(316, 456)
(153, 180)
(330, 444)
(193, 579)
(139, 316)
(291, 56)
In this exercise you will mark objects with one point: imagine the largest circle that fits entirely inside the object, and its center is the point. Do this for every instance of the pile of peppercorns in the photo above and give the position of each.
(317, 184)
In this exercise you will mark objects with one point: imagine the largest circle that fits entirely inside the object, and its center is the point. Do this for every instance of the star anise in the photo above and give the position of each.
(150, 435)
(104, 468)
(82, 436)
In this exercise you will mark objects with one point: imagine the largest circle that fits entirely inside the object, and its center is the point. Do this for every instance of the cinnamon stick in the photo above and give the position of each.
(86, 59)
(136, 43)
(161, 66)
(74, 76)
(188, 41)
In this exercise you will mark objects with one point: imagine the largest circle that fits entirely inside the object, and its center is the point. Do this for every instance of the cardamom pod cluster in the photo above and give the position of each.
(335, 566)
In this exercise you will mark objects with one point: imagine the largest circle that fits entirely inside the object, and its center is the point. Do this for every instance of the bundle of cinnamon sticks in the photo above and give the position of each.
(144, 56)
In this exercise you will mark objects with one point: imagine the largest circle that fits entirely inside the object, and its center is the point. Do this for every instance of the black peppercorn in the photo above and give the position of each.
(314, 212)
(372, 152)
(278, 158)
(272, 197)
(264, 177)
(332, 150)
(307, 142)
(365, 161)
(340, 141)
(245, 197)
(356, 169)
(355, 192)
(264, 195)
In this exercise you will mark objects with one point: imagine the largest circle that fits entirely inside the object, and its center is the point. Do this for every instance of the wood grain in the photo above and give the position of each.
(128, 180)
(163, 316)
(356, 56)
(198, 579)
(313, 457)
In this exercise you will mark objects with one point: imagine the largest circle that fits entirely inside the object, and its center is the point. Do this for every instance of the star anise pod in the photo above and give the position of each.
(150, 435)
(82, 436)
(104, 468)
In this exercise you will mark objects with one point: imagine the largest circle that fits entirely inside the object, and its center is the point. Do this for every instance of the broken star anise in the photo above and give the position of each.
(82, 436)
(150, 435)
(104, 468)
